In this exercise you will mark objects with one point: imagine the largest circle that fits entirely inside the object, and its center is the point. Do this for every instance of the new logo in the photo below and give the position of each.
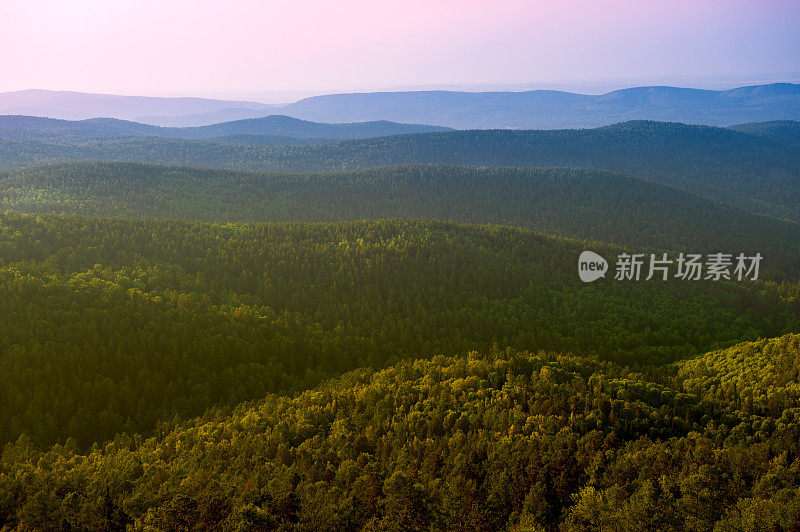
(591, 266)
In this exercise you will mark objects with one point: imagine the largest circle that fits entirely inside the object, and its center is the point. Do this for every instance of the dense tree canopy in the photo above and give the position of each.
(787, 131)
(217, 349)
(502, 440)
(581, 204)
(748, 171)
(112, 325)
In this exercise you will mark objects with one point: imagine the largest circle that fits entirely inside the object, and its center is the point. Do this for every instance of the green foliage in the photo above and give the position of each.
(581, 204)
(172, 359)
(787, 131)
(504, 440)
(114, 325)
(747, 171)
(760, 378)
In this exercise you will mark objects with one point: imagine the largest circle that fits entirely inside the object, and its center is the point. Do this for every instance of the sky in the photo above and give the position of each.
(241, 48)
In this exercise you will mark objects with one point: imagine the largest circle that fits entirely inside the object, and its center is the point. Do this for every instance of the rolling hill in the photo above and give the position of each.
(749, 172)
(273, 128)
(582, 204)
(496, 440)
(139, 321)
(787, 131)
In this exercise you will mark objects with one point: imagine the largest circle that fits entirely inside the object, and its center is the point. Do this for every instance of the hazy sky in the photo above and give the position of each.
(239, 47)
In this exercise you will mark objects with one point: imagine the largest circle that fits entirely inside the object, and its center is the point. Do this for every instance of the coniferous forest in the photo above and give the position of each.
(390, 332)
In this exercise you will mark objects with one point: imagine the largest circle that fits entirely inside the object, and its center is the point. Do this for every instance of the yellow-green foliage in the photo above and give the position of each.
(759, 377)
(486, 442)
(112, 325)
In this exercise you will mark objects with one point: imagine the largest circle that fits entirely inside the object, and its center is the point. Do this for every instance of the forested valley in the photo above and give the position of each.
(390, 333)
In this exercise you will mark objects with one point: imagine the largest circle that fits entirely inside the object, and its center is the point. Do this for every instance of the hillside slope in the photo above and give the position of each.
(139, 321)
(787, 131)
(746, 171)
(760, 378)
(503, 440)
(82, 131)
(582, 204)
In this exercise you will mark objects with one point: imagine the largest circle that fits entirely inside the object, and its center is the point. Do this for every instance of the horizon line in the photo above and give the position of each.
(256, 97)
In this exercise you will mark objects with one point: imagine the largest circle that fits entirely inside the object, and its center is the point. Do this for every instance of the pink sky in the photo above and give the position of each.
(198, 47)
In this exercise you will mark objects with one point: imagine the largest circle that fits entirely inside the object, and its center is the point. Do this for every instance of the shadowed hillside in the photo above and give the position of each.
(583, 204)
(746, 171)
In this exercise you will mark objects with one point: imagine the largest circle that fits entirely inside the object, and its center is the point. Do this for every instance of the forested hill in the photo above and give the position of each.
(747, 171)
(501, 440)
(583, 204)
(787, 131)
(760, 378)
(140, 321)
(51, 130)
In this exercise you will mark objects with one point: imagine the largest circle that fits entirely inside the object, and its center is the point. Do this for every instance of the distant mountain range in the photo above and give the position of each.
(557, 110)
(270, 130)
(152, 110)
(540, 109)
